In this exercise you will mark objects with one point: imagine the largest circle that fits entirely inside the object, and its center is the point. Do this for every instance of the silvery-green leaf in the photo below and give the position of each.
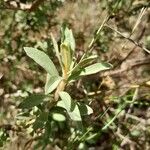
(58, 117)
(56, 48)
(66, 56)
(42, 59)
(69, 38)
(70, 106)
(51, 83)
(95, 68)
(87, 60)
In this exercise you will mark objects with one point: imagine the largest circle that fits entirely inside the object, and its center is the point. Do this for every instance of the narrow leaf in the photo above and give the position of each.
(51, 83)
(88, 60)
(66, 56)
(56, 48)
(95, 68)
(69, 39)
(40, 120)
(31, 101)
(66, 99)
(42, 59)
(84, 63)
(70, 106)
(85, 109)
(58, 117)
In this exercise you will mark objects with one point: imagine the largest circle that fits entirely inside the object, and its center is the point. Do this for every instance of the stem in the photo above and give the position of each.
(131, 40)
(90, 47)
(60, 88)
(98, 31)
(61, 85)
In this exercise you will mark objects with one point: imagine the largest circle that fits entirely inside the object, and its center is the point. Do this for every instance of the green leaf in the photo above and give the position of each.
(69, 39)
(56, 48)
(88, 60)
(79, 71)
(70, 106)
(83, 63)
(31, 101)
(40, 121)
(51, 83)
(66, 56)
(66, 100)
(58, 117)
(42, 59)
(85, 109)
(95, 68)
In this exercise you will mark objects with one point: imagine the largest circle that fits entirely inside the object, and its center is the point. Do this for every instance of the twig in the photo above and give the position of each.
(118, 71)
(134, 98)
(124, 142)
(131, 40)
(143, 10)
(139, 6)
(90, 46)
(135, 117)
(127, 140)
(125, 66)
(114, 118)
(29, 142)
(124, 138)
(98, 31)
(138, 39)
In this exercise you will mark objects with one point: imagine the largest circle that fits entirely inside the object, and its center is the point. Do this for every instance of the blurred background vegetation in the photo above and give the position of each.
(120, 100)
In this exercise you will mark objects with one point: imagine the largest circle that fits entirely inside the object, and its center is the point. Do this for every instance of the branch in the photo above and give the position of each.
(131, 40)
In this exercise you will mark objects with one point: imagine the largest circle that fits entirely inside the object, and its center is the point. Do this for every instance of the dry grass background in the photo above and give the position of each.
(83, 17)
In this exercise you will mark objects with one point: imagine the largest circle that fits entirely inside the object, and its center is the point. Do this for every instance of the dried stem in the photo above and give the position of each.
(131, 40)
